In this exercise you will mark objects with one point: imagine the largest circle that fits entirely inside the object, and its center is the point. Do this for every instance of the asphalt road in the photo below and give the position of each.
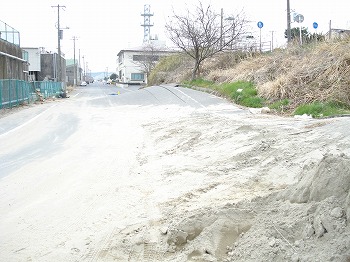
(67, 166)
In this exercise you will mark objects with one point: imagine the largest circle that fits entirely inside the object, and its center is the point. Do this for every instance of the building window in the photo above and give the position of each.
(120, 58)
(143, 58)
(137, 76)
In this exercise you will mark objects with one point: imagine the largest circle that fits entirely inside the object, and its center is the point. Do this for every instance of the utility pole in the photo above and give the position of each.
(221, 26)
(79, 67)
(59, 36)
(75, 64)
(272, 40)
(288, 22)
(84, 69)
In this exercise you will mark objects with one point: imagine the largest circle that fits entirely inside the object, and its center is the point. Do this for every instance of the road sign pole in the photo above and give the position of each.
(260, 25)
(260, 40)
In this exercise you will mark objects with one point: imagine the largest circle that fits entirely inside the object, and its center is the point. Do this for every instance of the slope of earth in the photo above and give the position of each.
(242, 188)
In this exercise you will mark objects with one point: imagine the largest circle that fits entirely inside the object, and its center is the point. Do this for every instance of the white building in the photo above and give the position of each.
(34, 59)
(132, 63)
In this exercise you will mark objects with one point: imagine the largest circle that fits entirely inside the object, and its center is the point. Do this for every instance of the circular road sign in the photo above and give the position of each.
(260, 24)
(315, 25)
(299, 18)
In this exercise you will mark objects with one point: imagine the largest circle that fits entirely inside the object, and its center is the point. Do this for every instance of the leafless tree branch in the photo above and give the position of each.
(200, 34)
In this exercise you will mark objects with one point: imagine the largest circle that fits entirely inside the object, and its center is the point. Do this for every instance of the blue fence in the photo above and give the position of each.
(15, 92)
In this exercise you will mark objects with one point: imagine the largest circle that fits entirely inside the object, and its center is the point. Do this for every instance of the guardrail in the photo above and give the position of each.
(16, 92)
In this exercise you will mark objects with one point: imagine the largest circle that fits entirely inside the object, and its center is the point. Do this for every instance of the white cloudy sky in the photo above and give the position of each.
(104, 27)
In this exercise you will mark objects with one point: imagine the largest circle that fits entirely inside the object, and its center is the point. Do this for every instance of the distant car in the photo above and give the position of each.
(83, 83)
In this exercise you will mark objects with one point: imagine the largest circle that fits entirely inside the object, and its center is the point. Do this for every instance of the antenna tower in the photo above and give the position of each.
(146, 23)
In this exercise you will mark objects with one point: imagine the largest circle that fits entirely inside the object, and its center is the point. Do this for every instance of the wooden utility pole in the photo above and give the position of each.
(59, 36)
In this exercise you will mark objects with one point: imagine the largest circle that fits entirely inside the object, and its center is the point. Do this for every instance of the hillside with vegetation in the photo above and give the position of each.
(313, 79)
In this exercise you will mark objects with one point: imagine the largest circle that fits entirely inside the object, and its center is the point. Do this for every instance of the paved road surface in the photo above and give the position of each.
(67, 168)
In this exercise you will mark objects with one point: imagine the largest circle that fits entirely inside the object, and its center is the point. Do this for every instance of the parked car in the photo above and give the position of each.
(83, 83)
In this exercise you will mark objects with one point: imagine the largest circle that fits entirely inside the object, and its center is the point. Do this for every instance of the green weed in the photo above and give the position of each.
(242, 93)
(319, 109)
(280, 105)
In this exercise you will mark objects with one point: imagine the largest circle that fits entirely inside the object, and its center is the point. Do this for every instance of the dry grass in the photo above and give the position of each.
(302, 74)
(315, 72)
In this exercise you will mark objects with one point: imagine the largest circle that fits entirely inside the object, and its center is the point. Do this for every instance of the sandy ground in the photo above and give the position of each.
(179, 184)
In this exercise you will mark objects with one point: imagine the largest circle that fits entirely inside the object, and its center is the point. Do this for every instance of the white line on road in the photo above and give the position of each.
(26, 123)
(76, 95)
(191, 98)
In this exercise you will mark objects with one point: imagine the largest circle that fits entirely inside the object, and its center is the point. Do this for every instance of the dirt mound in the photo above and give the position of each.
(208, 236)
(309, 221)
(330, 178)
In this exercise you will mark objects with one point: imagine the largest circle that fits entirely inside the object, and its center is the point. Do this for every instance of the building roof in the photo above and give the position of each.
(142, 49)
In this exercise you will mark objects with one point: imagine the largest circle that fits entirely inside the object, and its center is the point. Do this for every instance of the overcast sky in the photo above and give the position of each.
(104, 27)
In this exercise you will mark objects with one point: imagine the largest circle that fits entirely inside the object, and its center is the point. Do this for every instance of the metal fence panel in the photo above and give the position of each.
(15, 92)
(48, 89)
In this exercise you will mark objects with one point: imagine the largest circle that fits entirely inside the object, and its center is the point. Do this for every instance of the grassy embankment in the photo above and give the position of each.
(312, 80)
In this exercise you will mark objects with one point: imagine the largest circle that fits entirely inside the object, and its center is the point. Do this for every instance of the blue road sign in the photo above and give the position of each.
(315, 25)
(260, 24)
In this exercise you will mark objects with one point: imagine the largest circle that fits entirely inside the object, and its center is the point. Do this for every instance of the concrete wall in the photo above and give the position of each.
(49, 67)
(11, 68)
(70, 75)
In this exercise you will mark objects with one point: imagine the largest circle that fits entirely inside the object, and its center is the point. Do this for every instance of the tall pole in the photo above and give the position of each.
(59, 45)
(79, 67)
(260, 39)
(221, 26)
(75, 64)
(84, 78)
(59, 74)
(288, 22)
(272, 40)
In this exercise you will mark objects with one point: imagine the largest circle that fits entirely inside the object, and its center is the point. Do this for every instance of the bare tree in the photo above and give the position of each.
(148, 58)
(204, 33)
